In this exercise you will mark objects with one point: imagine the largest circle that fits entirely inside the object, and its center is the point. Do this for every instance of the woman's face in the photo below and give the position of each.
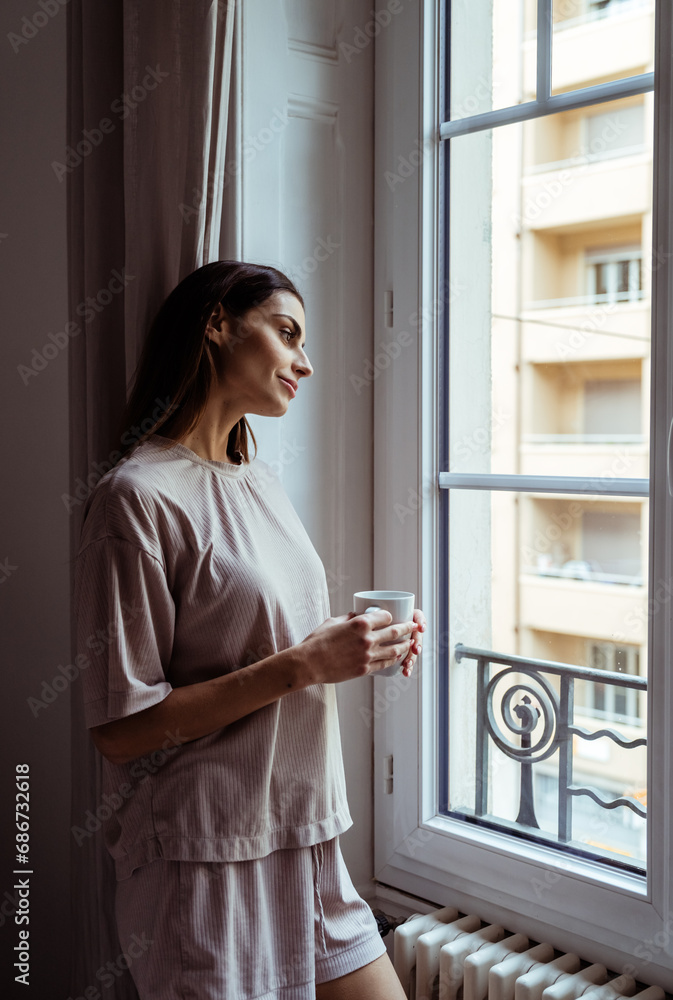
(260, 350)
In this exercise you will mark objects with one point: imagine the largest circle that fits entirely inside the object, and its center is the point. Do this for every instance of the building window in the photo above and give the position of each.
(606, 701)
(611, 133)
(612, 407)
(603, 8)
(615, 277)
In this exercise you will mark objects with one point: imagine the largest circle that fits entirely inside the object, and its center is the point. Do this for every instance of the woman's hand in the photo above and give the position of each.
(416, 644)
(353, 645)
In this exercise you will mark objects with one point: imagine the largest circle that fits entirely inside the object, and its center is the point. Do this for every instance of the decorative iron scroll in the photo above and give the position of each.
(521, 718)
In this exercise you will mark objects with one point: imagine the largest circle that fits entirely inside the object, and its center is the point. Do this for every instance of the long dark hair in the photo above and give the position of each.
(176, 368)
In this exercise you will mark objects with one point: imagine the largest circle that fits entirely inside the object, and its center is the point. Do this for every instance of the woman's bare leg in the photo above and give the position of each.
(376, 981)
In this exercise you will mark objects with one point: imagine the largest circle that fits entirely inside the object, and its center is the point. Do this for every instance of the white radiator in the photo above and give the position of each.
(446, 956)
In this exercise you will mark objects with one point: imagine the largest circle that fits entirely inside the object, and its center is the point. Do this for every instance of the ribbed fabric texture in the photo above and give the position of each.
(268, 929)
(188, 569)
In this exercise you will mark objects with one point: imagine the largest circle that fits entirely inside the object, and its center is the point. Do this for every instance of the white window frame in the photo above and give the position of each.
(603, 915)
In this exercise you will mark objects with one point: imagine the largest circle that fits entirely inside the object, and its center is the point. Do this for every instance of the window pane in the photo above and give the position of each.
(485, 42)
(628, 125)
(612, 406)
(560, 578)
(599, 40)
(549, 316)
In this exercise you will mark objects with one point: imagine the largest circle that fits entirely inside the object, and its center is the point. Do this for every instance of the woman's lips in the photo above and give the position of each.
(290, 387)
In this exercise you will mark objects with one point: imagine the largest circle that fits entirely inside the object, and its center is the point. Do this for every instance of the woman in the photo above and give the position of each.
(210, 691)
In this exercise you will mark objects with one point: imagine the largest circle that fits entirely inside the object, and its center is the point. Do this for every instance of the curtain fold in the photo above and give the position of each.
(149, 98)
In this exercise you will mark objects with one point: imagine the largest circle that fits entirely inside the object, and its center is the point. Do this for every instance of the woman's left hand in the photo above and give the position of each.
(416, 643)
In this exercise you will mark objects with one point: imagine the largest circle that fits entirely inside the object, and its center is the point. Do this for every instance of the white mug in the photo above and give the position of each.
(400, 603)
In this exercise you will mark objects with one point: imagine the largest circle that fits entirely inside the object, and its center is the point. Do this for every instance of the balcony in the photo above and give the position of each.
(575, 195)
(582, 329)
(590, 456)
(614, 612)
(525, 717)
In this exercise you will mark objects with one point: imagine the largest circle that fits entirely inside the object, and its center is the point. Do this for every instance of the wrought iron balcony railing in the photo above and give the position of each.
(556, 717)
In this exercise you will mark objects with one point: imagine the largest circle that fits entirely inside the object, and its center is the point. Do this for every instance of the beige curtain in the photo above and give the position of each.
(150, 99)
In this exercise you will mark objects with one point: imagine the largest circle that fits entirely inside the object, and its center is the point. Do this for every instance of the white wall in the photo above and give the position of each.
(34, 598)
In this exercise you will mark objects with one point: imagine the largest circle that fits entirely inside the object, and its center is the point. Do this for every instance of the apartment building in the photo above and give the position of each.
(571, 231)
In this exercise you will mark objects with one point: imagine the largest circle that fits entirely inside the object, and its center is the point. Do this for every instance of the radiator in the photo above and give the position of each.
(448, 956)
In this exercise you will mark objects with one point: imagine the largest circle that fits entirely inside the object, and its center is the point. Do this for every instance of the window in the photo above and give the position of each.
(613, 407)
(615, 277)
(611, 134)
(606, 7)
(535, 507)
(606, 701)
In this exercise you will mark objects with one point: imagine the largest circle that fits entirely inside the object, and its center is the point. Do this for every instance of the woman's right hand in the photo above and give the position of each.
(351, 645)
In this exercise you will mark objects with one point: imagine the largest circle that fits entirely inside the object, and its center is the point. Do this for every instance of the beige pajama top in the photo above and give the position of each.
(188, 569)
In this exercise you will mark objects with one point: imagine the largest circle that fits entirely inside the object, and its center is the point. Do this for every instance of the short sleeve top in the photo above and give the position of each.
(188, 569)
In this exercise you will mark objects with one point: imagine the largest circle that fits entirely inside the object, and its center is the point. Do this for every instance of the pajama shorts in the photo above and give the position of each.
(268, 929)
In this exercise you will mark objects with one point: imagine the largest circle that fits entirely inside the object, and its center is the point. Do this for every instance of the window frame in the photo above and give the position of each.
(603, 915)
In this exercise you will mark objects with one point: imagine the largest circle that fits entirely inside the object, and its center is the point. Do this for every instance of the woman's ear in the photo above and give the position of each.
(217, 328)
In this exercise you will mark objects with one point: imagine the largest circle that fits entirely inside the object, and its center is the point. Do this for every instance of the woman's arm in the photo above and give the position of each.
(341, 648)
(195, 710)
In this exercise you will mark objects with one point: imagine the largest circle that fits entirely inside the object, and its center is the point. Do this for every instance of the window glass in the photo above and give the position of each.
(549, 315)
(482, 35)
(627, 124)
(543, 588)
(599, 40)
(549, 375)
(612, 407)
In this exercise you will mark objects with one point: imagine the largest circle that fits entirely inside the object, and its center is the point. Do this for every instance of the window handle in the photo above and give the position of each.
(668, 459)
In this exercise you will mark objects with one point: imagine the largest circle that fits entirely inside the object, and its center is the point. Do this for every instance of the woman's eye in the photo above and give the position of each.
(291, 332)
